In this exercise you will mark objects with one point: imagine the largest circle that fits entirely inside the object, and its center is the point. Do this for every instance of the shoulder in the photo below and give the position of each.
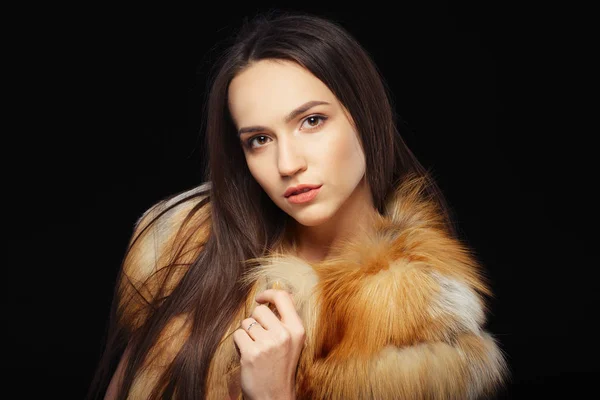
(156, 231)
(169, 214)
(166, 239)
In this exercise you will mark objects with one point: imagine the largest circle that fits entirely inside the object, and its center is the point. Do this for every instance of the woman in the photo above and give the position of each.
(318, 260)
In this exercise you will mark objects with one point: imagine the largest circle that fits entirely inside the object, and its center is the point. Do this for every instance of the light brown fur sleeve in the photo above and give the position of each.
(163, 245)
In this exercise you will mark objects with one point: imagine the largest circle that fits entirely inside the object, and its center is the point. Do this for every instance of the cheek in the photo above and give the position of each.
(346, 156)
(260, 172)
(254, 169)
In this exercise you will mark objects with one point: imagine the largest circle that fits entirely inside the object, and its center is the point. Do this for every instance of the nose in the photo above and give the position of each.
(290, 158)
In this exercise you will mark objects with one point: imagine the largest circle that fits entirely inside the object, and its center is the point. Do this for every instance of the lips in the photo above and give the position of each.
(304, 196)
(299, 189)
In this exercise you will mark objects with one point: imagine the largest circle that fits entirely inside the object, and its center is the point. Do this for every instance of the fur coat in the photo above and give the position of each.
(397, 312)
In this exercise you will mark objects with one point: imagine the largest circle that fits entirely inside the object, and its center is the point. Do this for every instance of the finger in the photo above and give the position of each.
(284, 303)
(265, 316)
(253, 328)
(242, 340)
(244, 343)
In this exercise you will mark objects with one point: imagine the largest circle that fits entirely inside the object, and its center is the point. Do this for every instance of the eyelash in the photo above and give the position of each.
(322, 118)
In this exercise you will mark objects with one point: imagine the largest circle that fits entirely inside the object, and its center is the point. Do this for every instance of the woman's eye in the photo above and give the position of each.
(257, 138)
(312, 122)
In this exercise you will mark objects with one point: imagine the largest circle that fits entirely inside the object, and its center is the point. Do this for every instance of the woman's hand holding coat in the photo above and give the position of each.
(270, 347)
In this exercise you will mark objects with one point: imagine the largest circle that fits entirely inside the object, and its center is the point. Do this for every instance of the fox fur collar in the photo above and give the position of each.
(397, 313)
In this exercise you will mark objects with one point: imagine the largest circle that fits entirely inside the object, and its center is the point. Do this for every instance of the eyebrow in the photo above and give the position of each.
(302, 109)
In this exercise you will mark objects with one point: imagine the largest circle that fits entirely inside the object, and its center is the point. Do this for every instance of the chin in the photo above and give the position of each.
(310, 217)
(309, 222)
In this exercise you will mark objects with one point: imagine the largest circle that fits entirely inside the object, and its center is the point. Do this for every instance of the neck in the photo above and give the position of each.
(313, 243)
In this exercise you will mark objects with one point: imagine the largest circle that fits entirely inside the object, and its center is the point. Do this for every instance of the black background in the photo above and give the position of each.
(103, 119)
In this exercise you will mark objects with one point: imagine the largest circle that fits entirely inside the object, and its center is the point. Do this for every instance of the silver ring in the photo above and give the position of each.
(251, 325)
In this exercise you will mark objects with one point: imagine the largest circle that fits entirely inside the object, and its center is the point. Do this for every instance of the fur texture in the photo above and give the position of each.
(397, 312)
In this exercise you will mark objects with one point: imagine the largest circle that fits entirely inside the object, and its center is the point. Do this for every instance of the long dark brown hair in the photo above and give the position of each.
(245, 223)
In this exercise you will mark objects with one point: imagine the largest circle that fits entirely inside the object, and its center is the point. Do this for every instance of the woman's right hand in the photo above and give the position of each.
(270, 348)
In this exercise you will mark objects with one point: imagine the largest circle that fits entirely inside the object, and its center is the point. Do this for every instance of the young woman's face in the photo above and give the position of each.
(294, 131)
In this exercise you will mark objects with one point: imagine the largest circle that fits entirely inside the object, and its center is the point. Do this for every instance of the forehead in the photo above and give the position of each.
(271, 89)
